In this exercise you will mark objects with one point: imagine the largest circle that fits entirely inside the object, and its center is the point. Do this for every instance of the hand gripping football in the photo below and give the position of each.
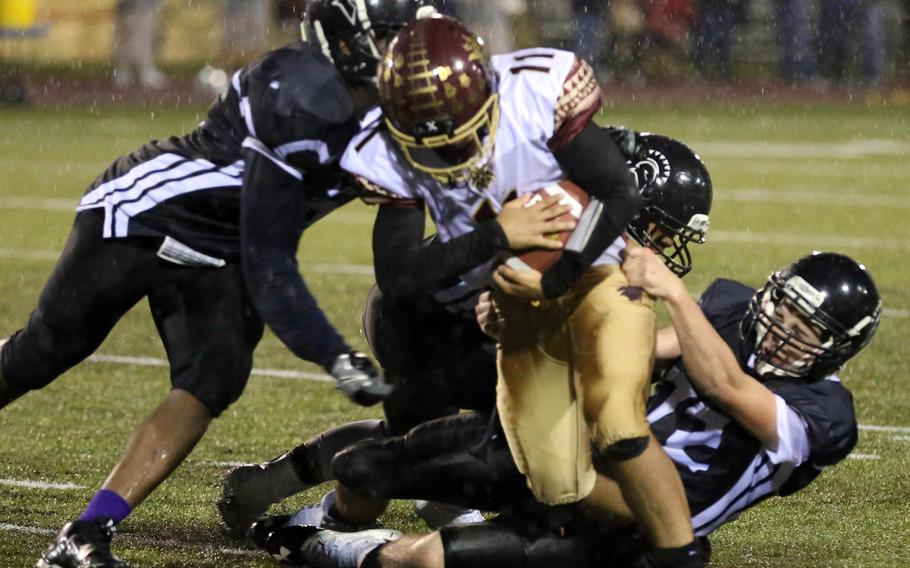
(542, 259)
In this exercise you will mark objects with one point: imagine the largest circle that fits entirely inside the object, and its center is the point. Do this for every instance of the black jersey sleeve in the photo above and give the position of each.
(273, 215)
(296, 104)
(406, 265)
(593, 160)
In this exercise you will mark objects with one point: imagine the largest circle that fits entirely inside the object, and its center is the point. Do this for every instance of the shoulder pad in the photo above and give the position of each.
(827, 408)
(298, 79)
(725, 298)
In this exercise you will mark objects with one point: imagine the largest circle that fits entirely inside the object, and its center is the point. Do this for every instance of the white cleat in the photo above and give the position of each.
(437, 515)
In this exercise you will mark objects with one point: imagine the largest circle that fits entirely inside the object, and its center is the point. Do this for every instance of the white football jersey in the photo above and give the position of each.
(531, 83)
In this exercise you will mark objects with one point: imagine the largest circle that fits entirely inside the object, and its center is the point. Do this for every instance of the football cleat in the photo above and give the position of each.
(437, 515)
(83, 544)
(247, 492)
(332, 549)
(312, 547)
(280, 541)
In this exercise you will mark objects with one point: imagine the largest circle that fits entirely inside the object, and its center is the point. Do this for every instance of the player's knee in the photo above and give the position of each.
(216, 380)
(468, 546)
(626, 449)
(356, 468)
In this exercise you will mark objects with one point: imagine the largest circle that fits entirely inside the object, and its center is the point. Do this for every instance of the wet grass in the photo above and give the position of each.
(72, 432)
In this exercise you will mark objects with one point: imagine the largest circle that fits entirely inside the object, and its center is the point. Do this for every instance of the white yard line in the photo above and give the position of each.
(38, 203)
(319, 267)
(30, 530)
(813, 196)
(141, 540)
(817, 241)
(896, 313)
(366, 270)
(887, 429)
(158, 362)
(227, 464)
(320, 377)
(33, 484)
(851, 149)
(865, 457)
(751, 195)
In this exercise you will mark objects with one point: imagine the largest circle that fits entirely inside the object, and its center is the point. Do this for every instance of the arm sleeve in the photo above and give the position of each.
(406, 266)
(792, 436)
(593, 161)
(271, 211)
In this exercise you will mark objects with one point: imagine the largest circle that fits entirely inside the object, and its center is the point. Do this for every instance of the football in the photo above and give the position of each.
(542, 259)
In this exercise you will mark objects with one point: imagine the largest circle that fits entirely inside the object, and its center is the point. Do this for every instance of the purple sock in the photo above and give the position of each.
(106, 503)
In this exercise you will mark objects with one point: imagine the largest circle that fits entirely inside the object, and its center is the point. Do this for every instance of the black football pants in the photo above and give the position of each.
(440, 362)
(206, 320)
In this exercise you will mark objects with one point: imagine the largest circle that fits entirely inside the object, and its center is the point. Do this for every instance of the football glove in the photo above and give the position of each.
(358, 379)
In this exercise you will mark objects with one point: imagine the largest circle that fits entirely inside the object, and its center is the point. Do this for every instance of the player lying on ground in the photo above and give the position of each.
(747, 407)
(439, 358)
(206, 226)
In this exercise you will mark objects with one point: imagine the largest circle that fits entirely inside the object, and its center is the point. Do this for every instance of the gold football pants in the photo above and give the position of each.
(573, 370)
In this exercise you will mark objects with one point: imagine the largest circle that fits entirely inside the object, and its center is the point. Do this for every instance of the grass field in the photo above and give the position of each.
(787, 180)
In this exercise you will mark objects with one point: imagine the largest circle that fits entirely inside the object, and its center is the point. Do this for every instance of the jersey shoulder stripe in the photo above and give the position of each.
(578, 102)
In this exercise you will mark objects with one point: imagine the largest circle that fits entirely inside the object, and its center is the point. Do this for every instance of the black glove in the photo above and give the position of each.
(359, 380)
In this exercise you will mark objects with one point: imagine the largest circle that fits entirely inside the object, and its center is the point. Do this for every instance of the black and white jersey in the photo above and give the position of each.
(724, 469)
(291, 106)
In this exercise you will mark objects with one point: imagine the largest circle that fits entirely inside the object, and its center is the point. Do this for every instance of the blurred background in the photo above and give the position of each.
(186, 48)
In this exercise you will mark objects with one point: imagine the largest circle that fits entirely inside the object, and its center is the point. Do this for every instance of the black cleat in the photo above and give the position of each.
(83, 544)
(281, 542)
(313, 547)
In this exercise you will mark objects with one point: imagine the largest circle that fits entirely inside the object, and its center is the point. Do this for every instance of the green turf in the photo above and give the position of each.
(856, 515)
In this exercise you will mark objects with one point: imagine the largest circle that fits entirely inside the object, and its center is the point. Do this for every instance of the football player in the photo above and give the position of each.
(459, 134)
(430, 345)
(206, 226)
(748, 407)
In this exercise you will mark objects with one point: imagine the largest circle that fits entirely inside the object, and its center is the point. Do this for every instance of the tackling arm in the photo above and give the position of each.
(405, 265)
(710, 363)
(271, 226)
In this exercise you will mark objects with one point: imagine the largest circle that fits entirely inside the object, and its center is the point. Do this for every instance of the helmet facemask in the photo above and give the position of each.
(669, 237)
(448, 154)
(439, 96)
(793, 337)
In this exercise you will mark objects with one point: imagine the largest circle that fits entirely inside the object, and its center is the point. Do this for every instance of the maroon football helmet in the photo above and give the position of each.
(438, 92)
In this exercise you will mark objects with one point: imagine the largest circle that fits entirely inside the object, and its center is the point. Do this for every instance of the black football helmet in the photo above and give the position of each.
(838, 299)
(349, 32)
(676, 196)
